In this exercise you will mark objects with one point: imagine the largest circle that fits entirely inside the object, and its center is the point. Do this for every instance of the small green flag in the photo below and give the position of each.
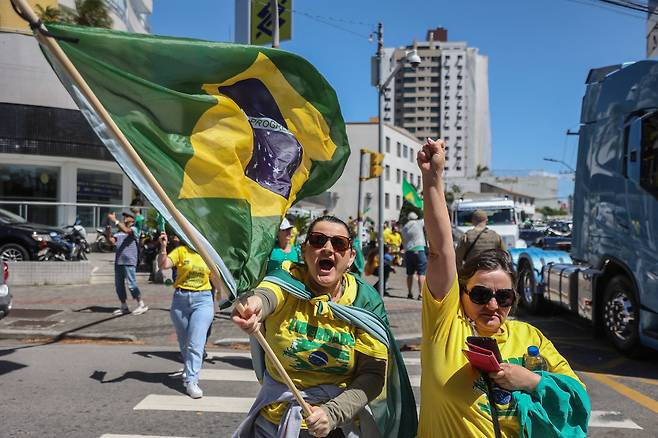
(410, 194)
(233, 134)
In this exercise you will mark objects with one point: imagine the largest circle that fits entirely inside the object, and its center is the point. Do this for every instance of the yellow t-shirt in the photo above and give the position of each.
(191, 271)
(314, 347)
(453, 398)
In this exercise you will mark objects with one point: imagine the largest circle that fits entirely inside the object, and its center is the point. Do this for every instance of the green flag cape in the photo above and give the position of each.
(233, 134)
(410, 194)
(395, 414)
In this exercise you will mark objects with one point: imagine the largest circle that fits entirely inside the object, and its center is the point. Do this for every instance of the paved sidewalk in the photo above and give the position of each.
(85, 312)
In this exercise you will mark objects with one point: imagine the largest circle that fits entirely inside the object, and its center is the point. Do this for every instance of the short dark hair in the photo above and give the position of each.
(332, 219)
(489, 260)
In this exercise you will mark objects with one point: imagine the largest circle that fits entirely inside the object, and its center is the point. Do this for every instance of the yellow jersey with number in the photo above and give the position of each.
(453, 394)
(313, 346)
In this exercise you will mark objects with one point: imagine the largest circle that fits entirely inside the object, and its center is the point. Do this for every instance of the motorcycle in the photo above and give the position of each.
(72, 245)
(102, 243)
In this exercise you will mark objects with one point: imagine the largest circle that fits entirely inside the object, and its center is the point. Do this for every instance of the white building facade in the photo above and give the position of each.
(446, 96)
(400, 149)
(50, 159)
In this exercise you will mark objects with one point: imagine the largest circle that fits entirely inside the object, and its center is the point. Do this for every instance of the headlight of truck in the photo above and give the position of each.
(41, 237)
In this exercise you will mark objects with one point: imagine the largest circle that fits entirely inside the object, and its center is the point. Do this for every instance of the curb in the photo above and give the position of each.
(224, 342)
(58, 336)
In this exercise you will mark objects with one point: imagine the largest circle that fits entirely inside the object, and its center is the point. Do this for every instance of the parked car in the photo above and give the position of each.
(5, 293)
(21, 240)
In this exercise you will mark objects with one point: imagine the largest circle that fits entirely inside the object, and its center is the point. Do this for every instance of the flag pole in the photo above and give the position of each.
(216, 278)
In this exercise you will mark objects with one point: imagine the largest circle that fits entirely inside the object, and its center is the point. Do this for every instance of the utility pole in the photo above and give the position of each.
(380, 149)
(274, 5)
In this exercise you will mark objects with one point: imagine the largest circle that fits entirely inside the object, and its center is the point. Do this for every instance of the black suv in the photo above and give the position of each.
(21, 240)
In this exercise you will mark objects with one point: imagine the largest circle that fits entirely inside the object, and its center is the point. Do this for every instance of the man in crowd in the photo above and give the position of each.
(125, 262)
(478, 239)
(415, 258)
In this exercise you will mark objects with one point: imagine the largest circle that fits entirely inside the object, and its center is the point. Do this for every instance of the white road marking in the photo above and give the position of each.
(228, 375)
(154, 402)
(112, 435)
(611, 419)
(223, 354)
(412, 360)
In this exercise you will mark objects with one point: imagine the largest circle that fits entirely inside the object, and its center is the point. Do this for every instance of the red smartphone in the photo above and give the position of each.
(483, 362)
(487, 344)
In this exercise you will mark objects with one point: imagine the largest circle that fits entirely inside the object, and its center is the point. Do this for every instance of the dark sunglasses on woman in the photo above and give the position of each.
(319, 240)
(482, 295)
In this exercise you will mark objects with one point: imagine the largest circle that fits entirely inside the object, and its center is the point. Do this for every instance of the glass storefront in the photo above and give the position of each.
(32, 184)
(97, 187)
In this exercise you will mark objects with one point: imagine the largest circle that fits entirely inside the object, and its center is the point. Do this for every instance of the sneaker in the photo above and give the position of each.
(123, 310)
(140, 309)
(193, 390)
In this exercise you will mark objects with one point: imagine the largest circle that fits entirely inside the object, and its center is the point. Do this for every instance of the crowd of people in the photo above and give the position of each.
(328, 327)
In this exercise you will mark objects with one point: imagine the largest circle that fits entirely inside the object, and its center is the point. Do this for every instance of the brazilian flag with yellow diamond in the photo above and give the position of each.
(234, 134)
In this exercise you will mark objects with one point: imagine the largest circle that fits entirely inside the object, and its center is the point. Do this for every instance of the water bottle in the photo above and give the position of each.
(533, 360)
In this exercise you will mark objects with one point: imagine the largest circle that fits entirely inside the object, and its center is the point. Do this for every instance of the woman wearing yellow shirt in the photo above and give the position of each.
(454, 395)
(338, 362)
(192, 308)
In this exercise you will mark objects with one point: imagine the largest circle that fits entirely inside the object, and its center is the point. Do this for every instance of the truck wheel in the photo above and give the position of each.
(527, 287)
(621, 315)
(12, 252)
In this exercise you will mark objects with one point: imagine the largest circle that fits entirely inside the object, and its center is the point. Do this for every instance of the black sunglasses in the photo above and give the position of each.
(319, 240)
(482, 295)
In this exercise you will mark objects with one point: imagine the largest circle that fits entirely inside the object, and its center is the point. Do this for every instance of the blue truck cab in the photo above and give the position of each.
(611, 276)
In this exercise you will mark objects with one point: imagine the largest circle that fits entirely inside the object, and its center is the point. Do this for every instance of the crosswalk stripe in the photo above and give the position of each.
(154, 402)
(611, 419)
(223, 354)
(113, 435)
(250, 376)
(412, 360)
(228, 375)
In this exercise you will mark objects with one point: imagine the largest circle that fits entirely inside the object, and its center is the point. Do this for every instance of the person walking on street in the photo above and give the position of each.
(415, 259)
(126, 241)
(192, 308)
(477, 240)
(284, 249)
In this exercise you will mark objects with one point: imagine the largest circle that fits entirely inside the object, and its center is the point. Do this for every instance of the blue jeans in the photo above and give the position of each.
(192, 313)
(123, 273)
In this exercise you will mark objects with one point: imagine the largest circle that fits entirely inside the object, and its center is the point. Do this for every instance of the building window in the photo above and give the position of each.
(397, 202)
(404, 175)
(399, 147)
(397, 176)
(405, 149)
(411, 177)
(387, 174)
(411, 155)
(31, 183)
(388, 144)
(418, 184)
(386, 200)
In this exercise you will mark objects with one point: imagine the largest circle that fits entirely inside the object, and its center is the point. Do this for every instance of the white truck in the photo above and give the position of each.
(503, 218)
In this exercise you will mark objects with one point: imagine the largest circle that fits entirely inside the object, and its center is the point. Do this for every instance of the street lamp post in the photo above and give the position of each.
(381, 84)
(564, 163)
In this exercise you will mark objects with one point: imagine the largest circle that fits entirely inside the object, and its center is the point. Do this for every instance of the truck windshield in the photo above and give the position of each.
(500, 216)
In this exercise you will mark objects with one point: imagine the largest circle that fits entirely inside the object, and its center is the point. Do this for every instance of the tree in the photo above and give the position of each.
(51, 13)
(92, 13)
(480, 170)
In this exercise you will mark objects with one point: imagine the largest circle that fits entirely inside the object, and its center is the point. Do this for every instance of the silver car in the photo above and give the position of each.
(5, 294)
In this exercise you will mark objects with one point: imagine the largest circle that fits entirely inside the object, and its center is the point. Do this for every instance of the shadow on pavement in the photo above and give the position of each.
(7, 367)
(164, 378)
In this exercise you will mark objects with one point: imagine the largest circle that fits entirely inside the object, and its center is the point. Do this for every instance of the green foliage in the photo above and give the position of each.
(480, 170)
(52, 14)
(548, 211)
(301, 223)
(92, 13)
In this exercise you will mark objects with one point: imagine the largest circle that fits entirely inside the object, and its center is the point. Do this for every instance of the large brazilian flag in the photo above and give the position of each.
(234, 134)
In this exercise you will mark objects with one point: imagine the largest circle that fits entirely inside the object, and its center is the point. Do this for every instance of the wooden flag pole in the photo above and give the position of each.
(216, 278)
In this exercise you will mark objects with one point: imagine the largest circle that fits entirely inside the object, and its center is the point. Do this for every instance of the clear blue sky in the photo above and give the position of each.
(539, 54)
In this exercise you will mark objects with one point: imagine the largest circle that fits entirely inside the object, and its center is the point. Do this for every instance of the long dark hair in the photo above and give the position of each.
(332, 219)
(489, 260)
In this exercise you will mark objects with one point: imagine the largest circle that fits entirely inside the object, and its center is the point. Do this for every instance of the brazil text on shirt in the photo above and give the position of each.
(320, 333)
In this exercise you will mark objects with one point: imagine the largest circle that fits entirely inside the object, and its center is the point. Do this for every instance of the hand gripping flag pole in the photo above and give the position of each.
(46, 39)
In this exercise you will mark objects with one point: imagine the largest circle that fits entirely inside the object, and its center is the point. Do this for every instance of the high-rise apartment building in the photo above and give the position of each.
(446, 96)
(652, 29)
